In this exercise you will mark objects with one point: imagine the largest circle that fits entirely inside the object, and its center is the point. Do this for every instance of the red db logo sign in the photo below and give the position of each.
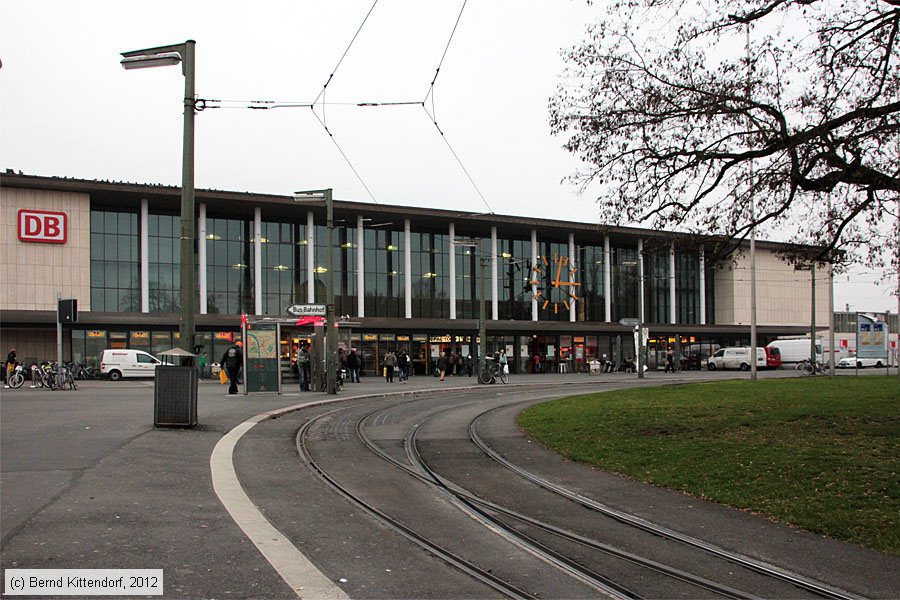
(42, 226)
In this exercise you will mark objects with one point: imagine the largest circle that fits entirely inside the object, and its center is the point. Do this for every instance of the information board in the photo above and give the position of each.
(261, 354)
(871, 337)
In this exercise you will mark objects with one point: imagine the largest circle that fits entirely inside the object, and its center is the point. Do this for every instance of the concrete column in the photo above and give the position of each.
(310, 258)
(407, 265)
(673, 314)
(495, 260)
(702, 286)
(452, 234)
(201, 260)
(534, 259)
(642, 301)
(360, 267)
(572, 267)
(145, 255)
(607, 278)
(257, 261)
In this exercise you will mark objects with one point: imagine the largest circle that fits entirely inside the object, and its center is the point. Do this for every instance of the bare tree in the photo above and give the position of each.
(688, 113)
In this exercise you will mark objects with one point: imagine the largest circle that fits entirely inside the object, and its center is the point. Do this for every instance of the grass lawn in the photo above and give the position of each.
(819, 453)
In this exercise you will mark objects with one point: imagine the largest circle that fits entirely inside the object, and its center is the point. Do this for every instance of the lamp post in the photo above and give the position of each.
(331, 333)
(159, 57)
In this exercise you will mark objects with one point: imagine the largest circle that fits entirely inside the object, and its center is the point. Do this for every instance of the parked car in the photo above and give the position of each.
(117, 364)
(795, 351)
(851, 362)
(736, 358)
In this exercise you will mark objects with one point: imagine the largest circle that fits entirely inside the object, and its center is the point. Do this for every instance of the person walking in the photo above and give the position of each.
(504, 363)
(303, 368)
(403, 366)
(470, 364)
(202, 362)
(390, 361)
(232, 361)
(442, 364)
(11, 363)
(353, 365)
(670, 362)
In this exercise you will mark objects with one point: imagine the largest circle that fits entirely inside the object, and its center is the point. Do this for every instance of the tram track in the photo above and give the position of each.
(518, 528)
(803, 583)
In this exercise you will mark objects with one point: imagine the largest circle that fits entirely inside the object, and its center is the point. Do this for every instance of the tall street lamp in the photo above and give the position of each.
(331, 332)
(160, 57)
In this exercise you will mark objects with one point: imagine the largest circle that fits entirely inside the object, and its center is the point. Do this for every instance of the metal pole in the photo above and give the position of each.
(59, 345)
(331, 335)
(831, 365)
(641, 315)
(753, 341)
(812, 318)
(188, 235)
(482, 334)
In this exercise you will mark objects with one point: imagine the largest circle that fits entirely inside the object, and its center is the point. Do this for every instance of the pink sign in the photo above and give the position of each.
(310, 320)
(42, 226)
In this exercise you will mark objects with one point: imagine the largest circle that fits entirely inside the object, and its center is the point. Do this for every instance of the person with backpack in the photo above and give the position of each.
(232, 361)
(403, 365)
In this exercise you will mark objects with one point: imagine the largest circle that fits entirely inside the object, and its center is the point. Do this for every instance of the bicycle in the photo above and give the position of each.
(493, 371)
(17, 378)
(808, 367)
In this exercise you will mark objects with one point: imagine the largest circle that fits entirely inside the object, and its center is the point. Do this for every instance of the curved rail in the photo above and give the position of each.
(506, 589)
(628, 519)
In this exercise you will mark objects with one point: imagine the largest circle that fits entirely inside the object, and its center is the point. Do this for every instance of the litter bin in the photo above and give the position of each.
(175, 397)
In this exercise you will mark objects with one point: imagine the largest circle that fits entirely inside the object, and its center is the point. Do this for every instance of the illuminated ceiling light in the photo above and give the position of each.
(348, 245)
(392, 247)
(213, 236)
(506, 255)
(281, 267)
(394, 273)
(303, 243)
(264, 240)
(239, 266)
(321, 270)
(429, 275)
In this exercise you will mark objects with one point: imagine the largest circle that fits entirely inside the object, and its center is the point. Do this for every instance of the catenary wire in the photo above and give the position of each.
(344, 154)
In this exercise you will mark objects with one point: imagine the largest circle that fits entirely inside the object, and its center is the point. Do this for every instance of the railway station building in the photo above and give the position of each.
(407, 277)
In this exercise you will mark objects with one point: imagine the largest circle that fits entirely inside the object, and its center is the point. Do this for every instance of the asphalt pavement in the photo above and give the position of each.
(87, 482)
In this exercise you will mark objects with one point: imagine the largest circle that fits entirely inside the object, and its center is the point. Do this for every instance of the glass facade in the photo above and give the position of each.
(115, 262)
(229, 269)
(513, 274)
(625, 283)
(385, 278)
(656, 286)
(164, 262)
(115, 273)
(430, 275)
(591, 296)
(284, 280)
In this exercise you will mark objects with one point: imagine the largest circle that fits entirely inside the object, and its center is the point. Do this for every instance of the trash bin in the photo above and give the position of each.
(175, 397)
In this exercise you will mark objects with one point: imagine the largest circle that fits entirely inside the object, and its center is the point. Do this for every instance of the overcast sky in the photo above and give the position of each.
(69, 109)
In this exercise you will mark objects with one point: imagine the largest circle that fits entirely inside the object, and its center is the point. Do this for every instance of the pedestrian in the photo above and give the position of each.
(504, 363)
(670, 362)
(202, 362)
(470, 364)
(232, 361)
(303, 368)
(390, 361)
(353, 365)
(11, 363)
(458, 363)
(403, 366)
(442, 364)
(537, 363)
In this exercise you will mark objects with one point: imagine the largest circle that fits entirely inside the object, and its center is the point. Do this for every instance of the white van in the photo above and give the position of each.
(117, 364)
(794, 351)
(736, 358)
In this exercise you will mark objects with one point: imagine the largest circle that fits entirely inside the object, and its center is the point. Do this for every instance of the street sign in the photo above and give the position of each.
(306, 310)
(629, 322)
